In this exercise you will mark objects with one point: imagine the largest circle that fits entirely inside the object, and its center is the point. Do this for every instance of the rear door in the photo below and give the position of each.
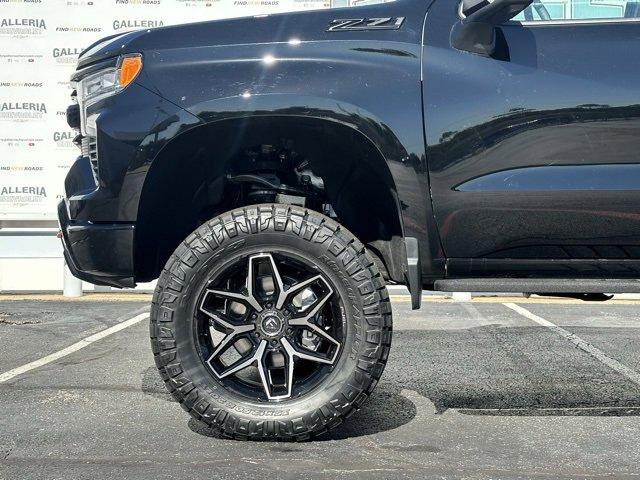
(534, 156)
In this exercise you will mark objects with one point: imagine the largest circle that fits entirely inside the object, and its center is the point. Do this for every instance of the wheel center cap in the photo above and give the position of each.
(272, 325)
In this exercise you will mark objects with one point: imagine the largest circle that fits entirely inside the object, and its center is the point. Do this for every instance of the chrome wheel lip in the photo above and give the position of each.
(267, 341)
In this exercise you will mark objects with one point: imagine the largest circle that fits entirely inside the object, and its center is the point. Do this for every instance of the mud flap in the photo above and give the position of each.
(414, 272)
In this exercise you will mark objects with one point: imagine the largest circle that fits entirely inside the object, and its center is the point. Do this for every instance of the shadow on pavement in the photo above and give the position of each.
(153, 385)
(489, 370)
(385, 410)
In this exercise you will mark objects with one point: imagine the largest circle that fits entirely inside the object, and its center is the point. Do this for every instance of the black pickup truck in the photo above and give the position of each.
(275, 172)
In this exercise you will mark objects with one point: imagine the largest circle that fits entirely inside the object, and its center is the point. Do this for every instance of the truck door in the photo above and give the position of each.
(534, 153)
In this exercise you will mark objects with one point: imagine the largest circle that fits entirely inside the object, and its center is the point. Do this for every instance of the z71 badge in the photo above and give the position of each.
(386, 23)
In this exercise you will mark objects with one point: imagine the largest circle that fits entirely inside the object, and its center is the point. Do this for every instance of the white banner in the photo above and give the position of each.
(39, 44)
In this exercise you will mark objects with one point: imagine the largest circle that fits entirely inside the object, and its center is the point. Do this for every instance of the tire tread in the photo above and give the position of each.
(354, 260)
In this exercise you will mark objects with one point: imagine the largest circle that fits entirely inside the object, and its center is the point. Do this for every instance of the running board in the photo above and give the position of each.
(538, 285)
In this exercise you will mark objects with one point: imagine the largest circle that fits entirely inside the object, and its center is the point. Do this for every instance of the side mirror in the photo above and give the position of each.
(476, 33)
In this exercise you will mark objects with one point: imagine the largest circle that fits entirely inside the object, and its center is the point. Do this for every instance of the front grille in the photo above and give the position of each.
(88, 145)
(90, 149)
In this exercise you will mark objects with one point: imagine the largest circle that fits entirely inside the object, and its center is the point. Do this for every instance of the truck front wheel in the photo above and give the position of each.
(271, 321)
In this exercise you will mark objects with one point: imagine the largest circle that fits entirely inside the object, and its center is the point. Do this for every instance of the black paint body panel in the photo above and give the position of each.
(100, 254)
(501, 166)
(534, 158)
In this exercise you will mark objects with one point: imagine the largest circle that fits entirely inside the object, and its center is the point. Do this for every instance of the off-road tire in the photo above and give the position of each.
(340, 255)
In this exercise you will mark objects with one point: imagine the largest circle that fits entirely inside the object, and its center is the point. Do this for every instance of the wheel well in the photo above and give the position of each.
(214, 168)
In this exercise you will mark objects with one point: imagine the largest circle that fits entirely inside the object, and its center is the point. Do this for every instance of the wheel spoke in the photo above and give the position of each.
(266, 378)
(271, 357)
(300, 286)
(250, 282)
(245, 362)
(246, 299)
(319, 331)
(223, 320)
(275, 274)
(228, 339)
(295, 353)
(306, 321)
(231, 329)
(308, 315)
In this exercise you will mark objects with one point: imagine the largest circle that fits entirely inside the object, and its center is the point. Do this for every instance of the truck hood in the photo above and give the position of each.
(305, 26)
(107, 47)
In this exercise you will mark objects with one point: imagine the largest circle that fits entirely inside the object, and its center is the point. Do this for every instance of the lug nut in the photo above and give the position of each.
(289, 331)
(274, 342)
(254, 315)
(269, 305)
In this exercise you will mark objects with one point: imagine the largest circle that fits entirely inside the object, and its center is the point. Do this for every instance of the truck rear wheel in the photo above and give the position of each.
(271, 322)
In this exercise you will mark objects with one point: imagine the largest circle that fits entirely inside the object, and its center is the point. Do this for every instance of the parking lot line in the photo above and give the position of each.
(72, 348)
(586, 347)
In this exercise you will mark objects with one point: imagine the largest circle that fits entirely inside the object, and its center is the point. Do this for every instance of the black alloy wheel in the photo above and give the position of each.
(271, 322)
(269, 335)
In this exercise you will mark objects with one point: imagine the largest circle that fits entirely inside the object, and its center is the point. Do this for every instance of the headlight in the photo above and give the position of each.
(97, 86)
(103, 84)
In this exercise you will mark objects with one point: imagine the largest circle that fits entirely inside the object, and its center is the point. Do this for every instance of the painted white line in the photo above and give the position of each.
(596, 353)
(71, 348)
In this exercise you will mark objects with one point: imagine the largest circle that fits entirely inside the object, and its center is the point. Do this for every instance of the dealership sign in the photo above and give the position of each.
(41, 41)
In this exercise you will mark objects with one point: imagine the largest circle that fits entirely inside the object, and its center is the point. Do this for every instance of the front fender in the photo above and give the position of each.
(374, 86)
(288, 105)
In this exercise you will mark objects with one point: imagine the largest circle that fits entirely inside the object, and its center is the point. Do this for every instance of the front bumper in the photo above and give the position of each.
(103, 188)
(100, 253)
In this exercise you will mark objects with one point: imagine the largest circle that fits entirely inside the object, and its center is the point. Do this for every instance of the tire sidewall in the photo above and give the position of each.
(203, 378)
(338, 256)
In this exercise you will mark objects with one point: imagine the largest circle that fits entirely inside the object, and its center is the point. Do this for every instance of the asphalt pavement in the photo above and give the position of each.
(493, 388)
